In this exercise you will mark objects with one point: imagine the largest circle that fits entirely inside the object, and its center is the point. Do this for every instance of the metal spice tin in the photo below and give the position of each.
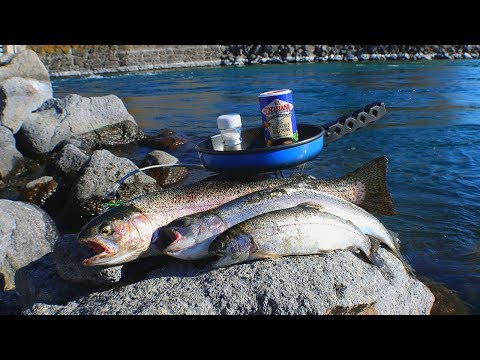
(278, 116)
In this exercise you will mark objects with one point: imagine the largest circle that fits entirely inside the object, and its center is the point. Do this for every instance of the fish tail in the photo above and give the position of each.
(373, 176)
(375, 259)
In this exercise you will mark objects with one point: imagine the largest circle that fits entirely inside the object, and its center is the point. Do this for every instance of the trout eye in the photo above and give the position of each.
(106, 230)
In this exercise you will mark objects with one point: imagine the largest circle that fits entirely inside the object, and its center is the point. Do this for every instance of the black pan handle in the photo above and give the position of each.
(356, 120)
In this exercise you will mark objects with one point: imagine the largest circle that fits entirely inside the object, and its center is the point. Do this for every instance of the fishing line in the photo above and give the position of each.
(112, 198)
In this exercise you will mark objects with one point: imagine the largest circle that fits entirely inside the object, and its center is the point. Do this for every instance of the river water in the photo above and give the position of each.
(431, 136)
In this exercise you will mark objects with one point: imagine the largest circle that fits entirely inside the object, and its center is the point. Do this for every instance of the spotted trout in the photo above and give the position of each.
(133, 229)
(300, 230)
(192, 234)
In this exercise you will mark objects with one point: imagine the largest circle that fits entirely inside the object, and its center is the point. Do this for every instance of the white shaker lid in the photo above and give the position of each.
(228, 121)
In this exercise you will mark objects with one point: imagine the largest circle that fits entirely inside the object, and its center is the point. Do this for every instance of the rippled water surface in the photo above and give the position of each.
(431, 136)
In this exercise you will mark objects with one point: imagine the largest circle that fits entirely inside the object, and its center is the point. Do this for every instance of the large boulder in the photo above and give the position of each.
(25, 64)
(59, 277)
(26, 234)
(68, 254)
(165, 176)
(10, 157)
(19, 97)
(69, 161)
(24, 86)
(99, 178)
(59, 119)
(336, 283)
(40, 282)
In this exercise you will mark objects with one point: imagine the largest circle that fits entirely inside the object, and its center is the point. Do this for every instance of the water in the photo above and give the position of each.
(431, 136)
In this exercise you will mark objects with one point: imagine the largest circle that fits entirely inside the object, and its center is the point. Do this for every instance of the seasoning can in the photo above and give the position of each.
(278, 117)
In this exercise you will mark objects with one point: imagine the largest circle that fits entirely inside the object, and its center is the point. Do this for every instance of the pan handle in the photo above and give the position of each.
(356, 120)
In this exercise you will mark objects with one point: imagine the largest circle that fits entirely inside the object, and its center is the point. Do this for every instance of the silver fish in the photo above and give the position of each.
(301, 230)
(132, 230)
(191, 235)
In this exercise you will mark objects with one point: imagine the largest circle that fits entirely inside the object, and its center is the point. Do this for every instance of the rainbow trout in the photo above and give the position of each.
(300, 230)
(191, 235)
(133, 229)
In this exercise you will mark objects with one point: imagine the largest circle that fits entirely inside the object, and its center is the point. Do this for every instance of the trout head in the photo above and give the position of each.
(190, 234)
(231, 247)
(119, 235)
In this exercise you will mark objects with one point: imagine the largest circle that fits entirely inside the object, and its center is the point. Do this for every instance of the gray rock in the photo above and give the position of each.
(10, 303)
(351, 57)
(40, 282)
(25, 64)
(364, 57)
(98, 179)
(466, 55)
(10, 157)
(69, 253)
(61, 118)
(165, 176)
(309, 50)
(26, 233)
(121, 133)
(337, 283)
(19, 97)
(5, 59)
(69, 161)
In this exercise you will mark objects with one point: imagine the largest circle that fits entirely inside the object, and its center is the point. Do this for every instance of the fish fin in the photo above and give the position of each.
(265, 255)
(373, 176)
(395, 236)
(377, 260)
(309, 204)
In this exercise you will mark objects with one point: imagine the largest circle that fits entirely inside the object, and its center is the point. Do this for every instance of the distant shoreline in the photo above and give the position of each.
(81, 60)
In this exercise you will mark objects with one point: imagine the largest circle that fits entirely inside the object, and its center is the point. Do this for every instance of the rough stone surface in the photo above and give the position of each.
(337, 283)
(58, 277)
(99, 178)
(121, 133)
(26, 233)
(19, 97)
(25, 64)
(40, 282)
(10, 303)
(61, 118)
(39, 190)
(69, 161)
(69, 253)
(10, 157)
(164, 176)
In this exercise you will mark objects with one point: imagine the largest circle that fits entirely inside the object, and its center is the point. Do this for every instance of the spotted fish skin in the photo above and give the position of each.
(300, 230)
(119, 236)
(191, 235)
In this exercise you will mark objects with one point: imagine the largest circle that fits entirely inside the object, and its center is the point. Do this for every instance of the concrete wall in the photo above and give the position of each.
(65, 60)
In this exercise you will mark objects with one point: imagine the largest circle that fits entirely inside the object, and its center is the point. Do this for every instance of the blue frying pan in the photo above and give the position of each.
(255, 157)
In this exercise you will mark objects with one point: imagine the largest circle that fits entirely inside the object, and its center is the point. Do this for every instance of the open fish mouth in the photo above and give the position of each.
(104, 249)
(174, 237)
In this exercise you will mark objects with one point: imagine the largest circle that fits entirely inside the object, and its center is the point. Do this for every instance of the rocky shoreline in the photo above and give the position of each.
(59, 154)
(79, 60)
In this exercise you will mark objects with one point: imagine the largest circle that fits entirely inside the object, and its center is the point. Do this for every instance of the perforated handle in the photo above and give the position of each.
(356, 120)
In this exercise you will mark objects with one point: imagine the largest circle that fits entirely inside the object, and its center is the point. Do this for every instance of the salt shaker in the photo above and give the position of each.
(230, 126)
